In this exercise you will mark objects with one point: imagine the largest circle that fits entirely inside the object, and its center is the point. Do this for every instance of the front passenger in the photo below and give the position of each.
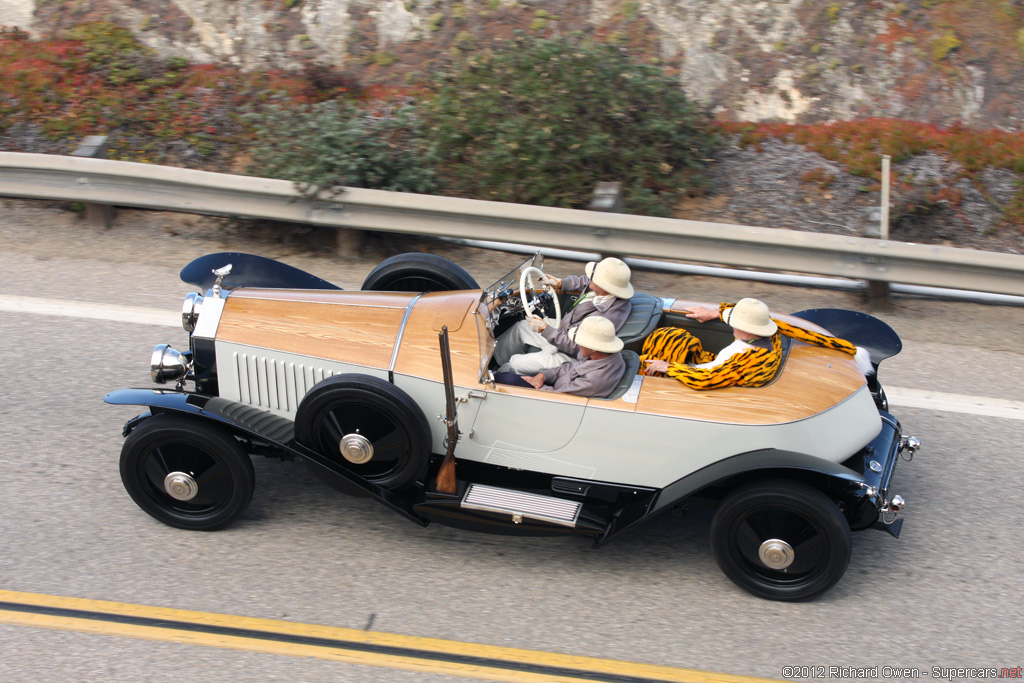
(596, 372)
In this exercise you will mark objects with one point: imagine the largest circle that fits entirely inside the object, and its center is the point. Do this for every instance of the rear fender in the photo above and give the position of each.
(860, 329)
(761, 463)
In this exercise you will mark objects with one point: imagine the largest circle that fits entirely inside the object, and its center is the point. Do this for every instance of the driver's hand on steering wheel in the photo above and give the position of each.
(536, 324)
(550, 281)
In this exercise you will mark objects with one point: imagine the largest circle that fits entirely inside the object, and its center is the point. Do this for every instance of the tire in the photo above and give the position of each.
(385, 434)
(208, 456)
(417, 272)
(803, 518)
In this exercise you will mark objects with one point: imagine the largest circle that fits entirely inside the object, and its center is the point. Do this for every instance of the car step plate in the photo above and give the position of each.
(532, 505)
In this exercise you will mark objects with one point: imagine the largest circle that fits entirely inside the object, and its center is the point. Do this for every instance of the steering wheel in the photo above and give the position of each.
(526, 284)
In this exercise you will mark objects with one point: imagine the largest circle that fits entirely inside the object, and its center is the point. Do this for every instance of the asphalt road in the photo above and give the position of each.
(946, 594)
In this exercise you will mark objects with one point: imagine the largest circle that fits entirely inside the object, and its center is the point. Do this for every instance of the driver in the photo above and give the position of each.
(599, 368)
(607, 292)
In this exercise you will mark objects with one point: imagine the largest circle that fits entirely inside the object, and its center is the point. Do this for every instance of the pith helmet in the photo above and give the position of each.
(596, 333)
(751, 315)
(611, 275)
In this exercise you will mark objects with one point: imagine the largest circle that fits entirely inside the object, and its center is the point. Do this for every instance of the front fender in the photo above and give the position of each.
(238, 416)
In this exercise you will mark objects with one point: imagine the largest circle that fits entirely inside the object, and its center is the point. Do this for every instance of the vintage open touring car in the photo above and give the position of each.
(281, 363)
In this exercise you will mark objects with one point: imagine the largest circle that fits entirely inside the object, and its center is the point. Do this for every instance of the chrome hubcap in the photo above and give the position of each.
(180, 486)
(776, 554)
(356, 448)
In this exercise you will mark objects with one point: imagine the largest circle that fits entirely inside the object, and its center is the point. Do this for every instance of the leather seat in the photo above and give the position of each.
(643, 319)
(632, 368)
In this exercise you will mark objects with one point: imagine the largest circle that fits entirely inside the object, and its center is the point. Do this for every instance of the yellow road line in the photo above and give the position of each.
(430, 655)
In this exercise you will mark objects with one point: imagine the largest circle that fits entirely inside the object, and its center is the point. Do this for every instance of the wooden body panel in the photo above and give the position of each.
(420, 352)
(812, 380)
(352, 327)
(362, 328)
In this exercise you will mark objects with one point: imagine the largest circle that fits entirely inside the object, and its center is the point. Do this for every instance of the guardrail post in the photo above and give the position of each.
(607, 198)
(878, 290)
(348, 240)
(95, 147)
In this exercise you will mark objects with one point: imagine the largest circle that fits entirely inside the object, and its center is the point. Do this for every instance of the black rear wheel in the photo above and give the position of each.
(187, 473)
(781, 540)
(418, 272)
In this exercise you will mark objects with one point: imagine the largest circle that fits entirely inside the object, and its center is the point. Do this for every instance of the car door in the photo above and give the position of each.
(519, 427)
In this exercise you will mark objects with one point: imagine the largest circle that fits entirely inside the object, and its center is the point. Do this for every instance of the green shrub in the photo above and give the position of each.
(333, 144)
(543, 121)
(115, 53)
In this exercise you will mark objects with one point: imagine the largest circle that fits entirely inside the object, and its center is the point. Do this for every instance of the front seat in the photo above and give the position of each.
(642, 320)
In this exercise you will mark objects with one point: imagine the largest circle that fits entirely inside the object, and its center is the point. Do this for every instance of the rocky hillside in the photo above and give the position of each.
(796, 61)
(940, 61)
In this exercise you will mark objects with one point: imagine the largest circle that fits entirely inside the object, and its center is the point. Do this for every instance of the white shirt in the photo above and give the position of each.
(737, 346)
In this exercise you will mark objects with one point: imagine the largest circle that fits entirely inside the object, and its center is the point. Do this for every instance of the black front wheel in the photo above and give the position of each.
(187, 473)
(367, 426)
(781, 540)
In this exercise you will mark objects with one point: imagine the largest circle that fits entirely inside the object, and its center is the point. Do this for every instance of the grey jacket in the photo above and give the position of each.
(616, 310)
(586, 377)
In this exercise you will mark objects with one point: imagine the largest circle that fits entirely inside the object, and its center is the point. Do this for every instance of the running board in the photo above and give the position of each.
(520, 505)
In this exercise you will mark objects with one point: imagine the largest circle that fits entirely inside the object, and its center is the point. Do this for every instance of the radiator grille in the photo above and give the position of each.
(531, 505)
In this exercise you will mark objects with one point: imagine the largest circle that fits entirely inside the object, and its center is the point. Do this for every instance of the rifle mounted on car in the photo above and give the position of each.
(445, 482)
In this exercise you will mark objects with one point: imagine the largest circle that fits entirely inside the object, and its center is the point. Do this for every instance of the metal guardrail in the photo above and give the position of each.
(122, 183)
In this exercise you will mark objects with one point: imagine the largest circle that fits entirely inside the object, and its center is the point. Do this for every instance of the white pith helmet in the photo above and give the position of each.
(596, 333)
(611, 275)
(750, 315)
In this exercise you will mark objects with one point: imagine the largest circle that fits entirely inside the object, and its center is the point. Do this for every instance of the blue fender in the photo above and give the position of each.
(251, 421)
(249, 270)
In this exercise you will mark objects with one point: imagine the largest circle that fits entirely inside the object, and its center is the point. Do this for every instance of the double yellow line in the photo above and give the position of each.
(429, 655)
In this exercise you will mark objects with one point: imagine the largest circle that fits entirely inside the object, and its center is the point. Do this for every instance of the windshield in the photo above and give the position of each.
(503, 289)
(498, 300)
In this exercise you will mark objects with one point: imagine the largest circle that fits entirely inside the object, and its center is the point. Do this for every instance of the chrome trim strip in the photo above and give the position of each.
(401, 331)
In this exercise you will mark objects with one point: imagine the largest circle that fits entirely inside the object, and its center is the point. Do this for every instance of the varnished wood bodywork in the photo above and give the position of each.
(352, 327)
(362, 328)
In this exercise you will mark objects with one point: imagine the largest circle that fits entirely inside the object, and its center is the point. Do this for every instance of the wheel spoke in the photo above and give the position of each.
(333, 427)
(809, 553)
(389, 447)
(156, 468)
(748, 541)
(214, 484)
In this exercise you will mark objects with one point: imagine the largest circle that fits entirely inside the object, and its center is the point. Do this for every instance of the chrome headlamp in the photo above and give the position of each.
(190, 310)
(168, 365)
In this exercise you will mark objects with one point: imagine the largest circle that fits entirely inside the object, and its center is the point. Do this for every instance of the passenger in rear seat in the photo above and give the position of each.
(752, 360)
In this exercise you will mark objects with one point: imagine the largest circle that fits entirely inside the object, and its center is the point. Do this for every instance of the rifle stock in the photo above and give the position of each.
(445, 482)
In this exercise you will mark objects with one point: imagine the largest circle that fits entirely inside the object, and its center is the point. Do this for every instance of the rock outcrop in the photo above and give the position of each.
(748, 60)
